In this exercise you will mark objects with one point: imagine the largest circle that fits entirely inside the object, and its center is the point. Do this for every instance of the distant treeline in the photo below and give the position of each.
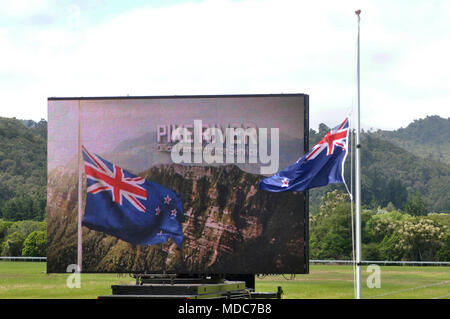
(23, 169)
(23, 238)
(387, 233)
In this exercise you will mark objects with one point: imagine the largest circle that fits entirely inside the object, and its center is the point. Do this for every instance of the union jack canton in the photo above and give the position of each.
(323, 165)
(129, 207)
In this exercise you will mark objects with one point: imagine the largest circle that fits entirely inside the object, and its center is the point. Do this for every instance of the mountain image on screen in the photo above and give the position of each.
(228, 226)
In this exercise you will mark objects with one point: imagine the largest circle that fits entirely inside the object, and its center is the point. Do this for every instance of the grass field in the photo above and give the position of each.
(29, 280)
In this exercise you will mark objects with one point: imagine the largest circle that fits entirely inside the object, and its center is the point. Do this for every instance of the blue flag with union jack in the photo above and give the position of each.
(323, 165)
(129, 207)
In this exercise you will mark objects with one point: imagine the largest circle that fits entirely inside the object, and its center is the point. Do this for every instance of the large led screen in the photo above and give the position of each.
(170, 184)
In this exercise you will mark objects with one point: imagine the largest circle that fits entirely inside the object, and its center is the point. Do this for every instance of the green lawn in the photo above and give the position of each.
(29, 280)
(336, 281)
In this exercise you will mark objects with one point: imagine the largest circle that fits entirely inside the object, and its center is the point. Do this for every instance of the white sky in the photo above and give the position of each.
(112, 48)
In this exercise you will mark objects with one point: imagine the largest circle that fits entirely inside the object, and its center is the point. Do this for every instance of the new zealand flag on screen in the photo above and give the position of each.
(128, 206)
(323, 165)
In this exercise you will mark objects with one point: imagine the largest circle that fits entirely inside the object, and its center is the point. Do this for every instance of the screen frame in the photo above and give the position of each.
(305, 135)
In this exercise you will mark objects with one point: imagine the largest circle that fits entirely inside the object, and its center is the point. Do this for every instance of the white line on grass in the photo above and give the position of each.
(410, 289)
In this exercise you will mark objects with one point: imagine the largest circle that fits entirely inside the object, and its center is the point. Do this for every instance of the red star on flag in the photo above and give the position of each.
(167, 200)
(285, 182)
(174, 212)
(157, 211)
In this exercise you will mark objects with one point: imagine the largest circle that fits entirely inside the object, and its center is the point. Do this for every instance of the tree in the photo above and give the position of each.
(370, 251)
(25, 207)
(12, 246)
(14, 234)
(323, 129)
(415, 205)
(331, 228)
(390, 207)
(389, 250)
(405, 237)
(13, 209)
(4, 225)
(443, 253)
(420, 239)
(395, 192)
(35, 245)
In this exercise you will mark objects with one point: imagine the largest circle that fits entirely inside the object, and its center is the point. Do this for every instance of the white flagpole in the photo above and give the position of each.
(358, 183)
(80, 195)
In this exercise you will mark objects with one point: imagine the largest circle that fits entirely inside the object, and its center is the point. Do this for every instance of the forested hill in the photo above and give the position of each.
(393, 167)
(391, 173)
(23, 169)
(427, 138)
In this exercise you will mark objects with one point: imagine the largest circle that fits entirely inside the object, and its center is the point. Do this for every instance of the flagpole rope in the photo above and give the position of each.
(351, 140)
(352, 213)
(350, 193)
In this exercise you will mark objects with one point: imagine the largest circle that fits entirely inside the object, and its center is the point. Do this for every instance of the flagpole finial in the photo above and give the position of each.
(358, 12)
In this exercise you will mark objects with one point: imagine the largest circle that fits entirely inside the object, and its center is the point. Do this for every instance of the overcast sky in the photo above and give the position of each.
(110, 48)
